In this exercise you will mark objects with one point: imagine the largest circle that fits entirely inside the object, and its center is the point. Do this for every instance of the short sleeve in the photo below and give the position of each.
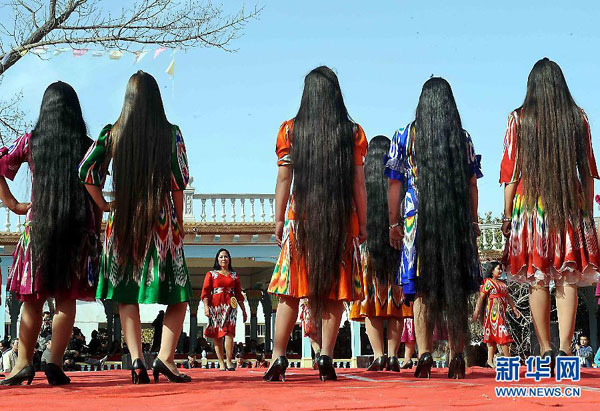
(360, 146)
(94, 166)
(207, 286)
(282, 148)
(473, 159)
(509, 166)
(180, 174)
(12, 157)
(395, 161)
(591, 157)
(486, 287)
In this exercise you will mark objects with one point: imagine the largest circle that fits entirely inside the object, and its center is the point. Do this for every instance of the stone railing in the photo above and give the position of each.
(228, 208)
(491, 238)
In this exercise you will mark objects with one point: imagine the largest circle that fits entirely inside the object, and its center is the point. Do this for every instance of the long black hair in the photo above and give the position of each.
(59, 200)
(322, 161)
(142, 144)
(446, 249)
(553, 147)
(216, 265)
(383, 259)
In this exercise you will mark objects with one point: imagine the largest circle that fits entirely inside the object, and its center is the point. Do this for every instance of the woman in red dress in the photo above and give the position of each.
(221, 295)
(495, 331)
(548, 168)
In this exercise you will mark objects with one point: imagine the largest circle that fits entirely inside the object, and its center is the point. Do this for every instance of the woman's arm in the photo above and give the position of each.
(98, 197)
(478, 307)
(509, 195)
(10, 201)
(360, 201)
(474, 199)
(396, 232)
(513, 307)
(178, 203)
(282, 195)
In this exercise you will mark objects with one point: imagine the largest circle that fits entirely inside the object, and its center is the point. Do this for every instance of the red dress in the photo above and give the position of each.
(219, 290)
(495, 330)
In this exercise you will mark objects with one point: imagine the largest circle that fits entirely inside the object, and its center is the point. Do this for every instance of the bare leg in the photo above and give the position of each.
(219, 351)
(287, 314)
(171, 330)
(132, 329)
(332, 316)
(505, 349)
(31, 322)
(422, 328)
(229, 350)
(374, 327)
(566, 306)
(491, 348)
(62, 328)
(409, 350)
(539, 302)
(394, 332)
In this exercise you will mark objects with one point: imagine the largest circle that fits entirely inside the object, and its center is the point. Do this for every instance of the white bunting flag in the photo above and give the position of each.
(98, 53)
(171, 69)
(60, 50)
(39, 50)
(139, 55)
(115, 54)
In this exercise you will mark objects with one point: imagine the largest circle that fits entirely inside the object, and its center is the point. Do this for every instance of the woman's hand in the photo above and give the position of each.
(475, 316)
(245, 316)
(506, 228)
(362, 234)
(396, 236)
(206, 311)
(21, 208)
(279, 232)
(517, 313)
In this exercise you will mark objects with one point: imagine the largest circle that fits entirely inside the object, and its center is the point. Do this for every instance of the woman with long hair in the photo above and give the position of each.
(495, 330)
(434, 159)
(323, 151)
(58, 252)
(143, 261)
(221, 296)
(548, 167)
(382, 297)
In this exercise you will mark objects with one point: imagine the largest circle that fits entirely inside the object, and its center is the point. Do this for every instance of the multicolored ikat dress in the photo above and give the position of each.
(163, 277)
(494, 325)
(400, 165)
(219, 289)
(533, 255)
(23, 279)
(289, 276)
(380, 300)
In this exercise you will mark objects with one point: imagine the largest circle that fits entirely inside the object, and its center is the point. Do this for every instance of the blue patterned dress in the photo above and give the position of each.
(400, 165)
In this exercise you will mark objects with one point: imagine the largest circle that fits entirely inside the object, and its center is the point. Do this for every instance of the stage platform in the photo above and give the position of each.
(356, 389)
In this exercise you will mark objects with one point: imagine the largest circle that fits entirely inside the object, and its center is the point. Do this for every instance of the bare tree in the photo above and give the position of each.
(184, 24)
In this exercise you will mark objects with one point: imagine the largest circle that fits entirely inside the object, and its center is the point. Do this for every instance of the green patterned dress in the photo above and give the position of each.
(163, 277)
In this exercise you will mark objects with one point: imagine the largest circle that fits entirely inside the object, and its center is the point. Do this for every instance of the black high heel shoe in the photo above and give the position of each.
(139, 373)
(277, 370)
(550, 354)
(55, 375)
(393, 364)
(159, 367)
(407, 365)
(457, 367)
(424, 366)
(326, 370)
(26, 374)
(379, 364)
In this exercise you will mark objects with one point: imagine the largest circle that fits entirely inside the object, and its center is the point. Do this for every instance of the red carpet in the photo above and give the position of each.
(244, 390)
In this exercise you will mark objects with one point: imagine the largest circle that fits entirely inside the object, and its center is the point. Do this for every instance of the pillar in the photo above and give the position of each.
(307, 360)
(254, 297)
(268, 311)
(589, 296)
(274, 304)
(110, 313)
(194, 303)
(14, 308)
(355, 341)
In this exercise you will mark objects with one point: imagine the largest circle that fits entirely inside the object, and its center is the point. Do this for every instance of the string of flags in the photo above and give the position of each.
(138, 55)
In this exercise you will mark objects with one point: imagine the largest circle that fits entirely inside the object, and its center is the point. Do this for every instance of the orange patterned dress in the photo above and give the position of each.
(289, 276)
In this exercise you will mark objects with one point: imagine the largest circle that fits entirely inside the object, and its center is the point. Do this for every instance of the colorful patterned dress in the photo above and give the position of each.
(219, 290)
(289, 276)
(163, 277)
(495, 330)
(408, 326)
(23, 279)
(380, 300)
(400, 165)
(535, 256)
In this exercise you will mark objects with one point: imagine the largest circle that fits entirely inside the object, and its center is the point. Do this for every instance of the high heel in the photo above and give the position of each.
(457, 367)
(159, 367)
(407, 365)
(550, 354)
(379, 364)
(26, 374)
(424, 366)
(55, 375)
(393, 364)
(277, 370)
(139, 373)
(326, 370)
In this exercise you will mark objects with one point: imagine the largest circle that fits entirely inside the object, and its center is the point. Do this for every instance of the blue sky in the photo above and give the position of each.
(230, 105)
